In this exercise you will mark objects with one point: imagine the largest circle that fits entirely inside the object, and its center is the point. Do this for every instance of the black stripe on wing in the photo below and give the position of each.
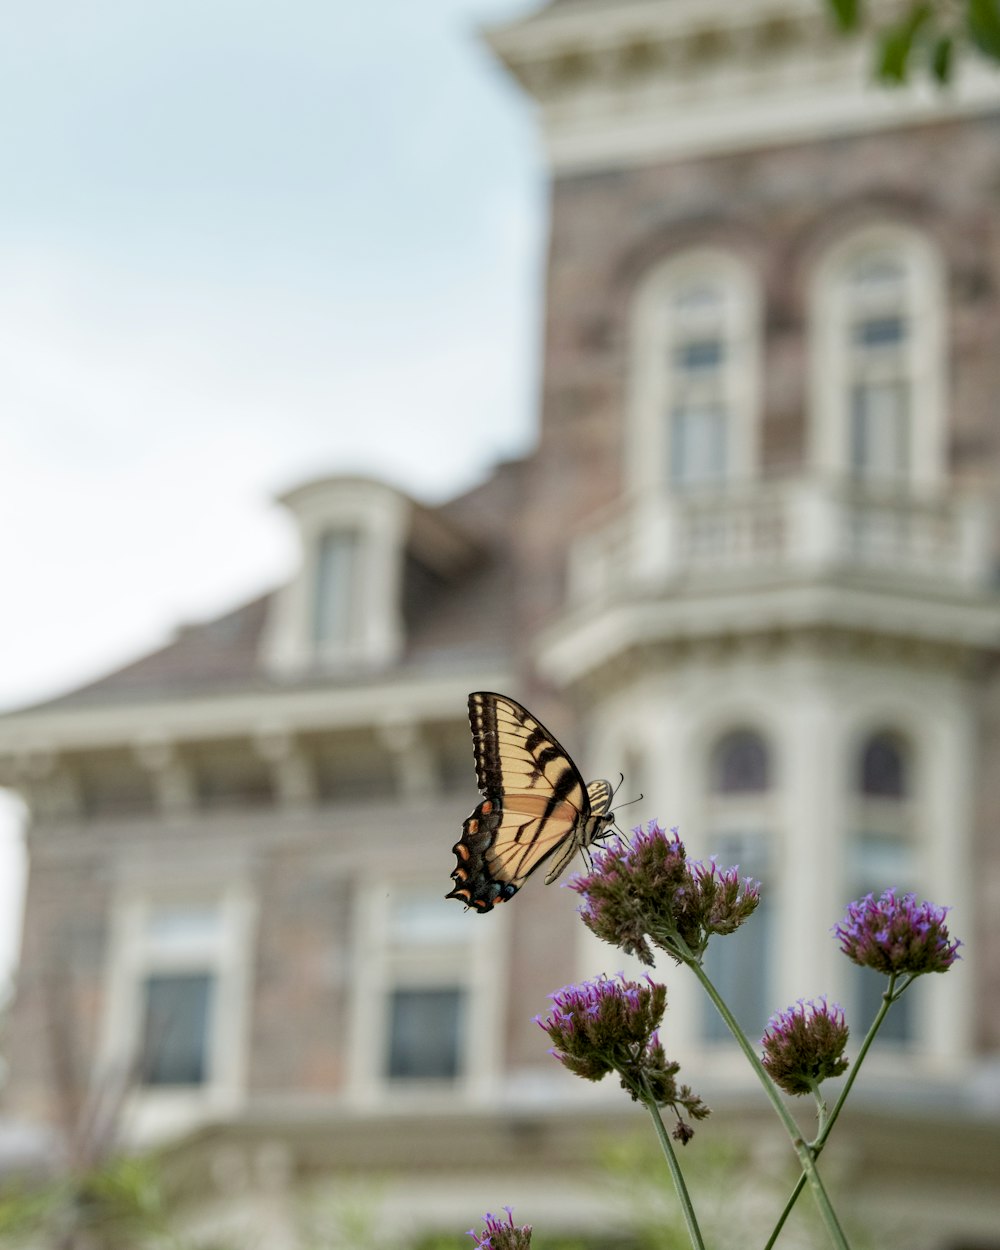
(535, 803)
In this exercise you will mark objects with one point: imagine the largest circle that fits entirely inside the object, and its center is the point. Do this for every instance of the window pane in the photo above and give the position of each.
(698, 299)
(425, 1033)
(882, 771)
(173, 929)
(878, 862)
(699, 444)
(336, 565)
(876, 332)
(699, 356)
(869, 986)
(175, 1037)
(740, 764)
(877, 271)
(740, 963)
(879, 428)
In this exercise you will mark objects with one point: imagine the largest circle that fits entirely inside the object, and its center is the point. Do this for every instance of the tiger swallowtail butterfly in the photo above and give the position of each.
(536, 808)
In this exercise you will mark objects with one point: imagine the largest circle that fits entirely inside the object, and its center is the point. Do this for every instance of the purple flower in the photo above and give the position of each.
(500, 1234)
(647, 890)
(895, 934)
(804, 1045)
(609, 1025)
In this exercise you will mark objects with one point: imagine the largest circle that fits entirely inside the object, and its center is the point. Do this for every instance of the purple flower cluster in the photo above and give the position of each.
(647, 891)
(896, 934)
(609, 1025)
(804, 1045)
(500, 1234)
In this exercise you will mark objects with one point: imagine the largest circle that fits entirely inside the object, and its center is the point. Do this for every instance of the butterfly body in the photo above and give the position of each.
(535, 810)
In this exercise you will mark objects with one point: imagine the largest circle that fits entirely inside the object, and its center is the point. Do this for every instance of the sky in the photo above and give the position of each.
(242, 244)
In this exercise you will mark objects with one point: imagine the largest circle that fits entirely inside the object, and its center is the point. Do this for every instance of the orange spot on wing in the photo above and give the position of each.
(486, 807)
(473, 826)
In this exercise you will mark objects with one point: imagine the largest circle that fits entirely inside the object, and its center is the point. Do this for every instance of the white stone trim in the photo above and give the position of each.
(151, 1113)
(477, 965)
(420, 697)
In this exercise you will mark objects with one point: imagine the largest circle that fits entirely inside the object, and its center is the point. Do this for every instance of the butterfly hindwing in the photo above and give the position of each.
(535, 809)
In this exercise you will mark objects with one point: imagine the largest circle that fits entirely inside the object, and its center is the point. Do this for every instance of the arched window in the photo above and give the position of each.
(882, 767)
(740, 826)
(877, 391)
(882, 855)
(740, 764)
(693, 383)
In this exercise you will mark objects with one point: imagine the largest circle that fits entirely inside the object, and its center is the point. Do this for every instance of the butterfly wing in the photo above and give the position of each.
(535, 805)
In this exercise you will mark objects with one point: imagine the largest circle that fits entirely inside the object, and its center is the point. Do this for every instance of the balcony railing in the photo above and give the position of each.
(792, 529)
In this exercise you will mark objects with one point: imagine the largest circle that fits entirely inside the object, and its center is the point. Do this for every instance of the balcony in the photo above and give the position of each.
(792, 553)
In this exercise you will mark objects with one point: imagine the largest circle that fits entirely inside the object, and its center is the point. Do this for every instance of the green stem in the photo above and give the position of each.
(888, 998)
(694, 1232)
(792, 1199)
(802, 1149)
(794, 1196)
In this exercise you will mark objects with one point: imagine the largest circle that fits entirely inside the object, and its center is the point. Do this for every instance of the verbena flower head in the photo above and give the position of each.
(502, 1234)
(804, 1045)
(896, 934)
(648, 889)
(609, 1025)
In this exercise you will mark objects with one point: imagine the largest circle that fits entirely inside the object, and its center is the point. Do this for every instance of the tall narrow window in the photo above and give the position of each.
(877, 407)
(881, 854)
(693, 383)
(740, 777)
(334, 605)
(178, 993)
(426, 1033)
(879, 333)
(175, 1044)
(699, 411)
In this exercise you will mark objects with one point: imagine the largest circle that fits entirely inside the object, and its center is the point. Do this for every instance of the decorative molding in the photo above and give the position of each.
(627, 83)
(423, 697)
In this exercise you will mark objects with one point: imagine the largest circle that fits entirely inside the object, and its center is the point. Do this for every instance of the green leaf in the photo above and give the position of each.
(983, 23)
(896, 44)
(894, 56)
(942, 56)
(847, 13)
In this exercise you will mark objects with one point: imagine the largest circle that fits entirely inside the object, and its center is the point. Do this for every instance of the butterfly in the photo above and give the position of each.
(536, 808)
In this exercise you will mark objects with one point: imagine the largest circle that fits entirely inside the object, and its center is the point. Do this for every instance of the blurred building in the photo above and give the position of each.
(751, 564)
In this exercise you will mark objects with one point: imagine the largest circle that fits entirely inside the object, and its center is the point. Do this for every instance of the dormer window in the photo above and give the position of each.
(335, 587)
(345, 608)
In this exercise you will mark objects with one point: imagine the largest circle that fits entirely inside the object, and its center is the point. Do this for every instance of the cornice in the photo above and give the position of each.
(622, 84)
(29, 739)
(829, 619)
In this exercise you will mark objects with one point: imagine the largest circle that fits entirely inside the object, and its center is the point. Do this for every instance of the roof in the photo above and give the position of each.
(447, 614)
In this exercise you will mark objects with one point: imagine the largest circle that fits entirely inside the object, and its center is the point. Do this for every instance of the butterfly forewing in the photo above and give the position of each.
(535, 807)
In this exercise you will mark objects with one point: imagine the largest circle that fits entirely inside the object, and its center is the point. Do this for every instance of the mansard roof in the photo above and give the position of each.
(463, 616)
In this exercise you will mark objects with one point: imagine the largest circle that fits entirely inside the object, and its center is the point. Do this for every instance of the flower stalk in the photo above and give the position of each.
(646, 893)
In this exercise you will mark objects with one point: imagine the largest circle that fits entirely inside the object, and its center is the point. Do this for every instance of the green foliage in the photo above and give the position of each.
(120, 1206)
(983, 26)
(926, 37)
